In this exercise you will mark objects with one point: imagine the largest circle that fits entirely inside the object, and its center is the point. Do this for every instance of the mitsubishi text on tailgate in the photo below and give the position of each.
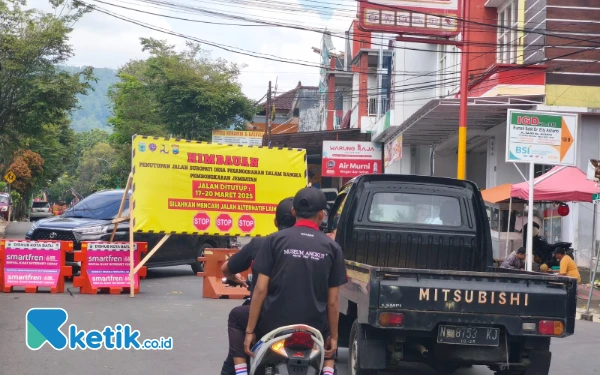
(422, 287)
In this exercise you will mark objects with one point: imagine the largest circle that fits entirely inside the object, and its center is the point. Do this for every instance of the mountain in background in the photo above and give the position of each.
(95, 106)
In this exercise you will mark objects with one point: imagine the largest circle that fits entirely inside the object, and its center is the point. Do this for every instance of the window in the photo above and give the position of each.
(508, 36)
(40, 205)
(336, 218)
(448, 69)
(402, 208)
(100, 206)
(540, 169)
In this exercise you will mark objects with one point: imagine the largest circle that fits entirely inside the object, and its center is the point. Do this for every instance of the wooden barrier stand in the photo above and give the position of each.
(34, 265)
(213, 286)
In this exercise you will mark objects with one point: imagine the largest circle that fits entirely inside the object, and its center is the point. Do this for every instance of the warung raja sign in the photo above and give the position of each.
(350, 159)
(541, 138)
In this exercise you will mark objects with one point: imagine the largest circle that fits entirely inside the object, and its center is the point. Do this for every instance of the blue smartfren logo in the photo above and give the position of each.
(43, 325)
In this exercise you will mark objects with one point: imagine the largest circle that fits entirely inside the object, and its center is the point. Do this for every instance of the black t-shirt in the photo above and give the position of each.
(242, 260)
(302, 263)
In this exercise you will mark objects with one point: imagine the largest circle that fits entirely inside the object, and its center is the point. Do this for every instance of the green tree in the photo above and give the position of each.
(96, 169)
(183, 94)
(36, 96)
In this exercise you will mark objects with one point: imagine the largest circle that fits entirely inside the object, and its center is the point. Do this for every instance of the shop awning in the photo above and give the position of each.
(498, 194)
(313, 141)
(437, 120)
(560, 184)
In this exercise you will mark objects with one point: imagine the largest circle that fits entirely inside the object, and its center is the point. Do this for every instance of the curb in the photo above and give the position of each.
(596, 317)
(3, 229)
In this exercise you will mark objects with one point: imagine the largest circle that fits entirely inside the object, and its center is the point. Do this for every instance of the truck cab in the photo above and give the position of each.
(422, 287)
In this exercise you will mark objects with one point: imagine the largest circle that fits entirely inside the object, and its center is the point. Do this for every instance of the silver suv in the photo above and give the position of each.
(40, 210)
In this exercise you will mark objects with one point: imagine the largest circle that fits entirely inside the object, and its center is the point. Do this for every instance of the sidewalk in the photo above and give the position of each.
(3, 226)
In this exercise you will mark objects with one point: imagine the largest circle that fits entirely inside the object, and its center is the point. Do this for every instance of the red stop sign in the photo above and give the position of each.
(202, 221)
(246, 223)
(224, 222)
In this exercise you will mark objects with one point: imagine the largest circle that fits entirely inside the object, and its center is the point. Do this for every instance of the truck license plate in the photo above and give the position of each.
(479, 336)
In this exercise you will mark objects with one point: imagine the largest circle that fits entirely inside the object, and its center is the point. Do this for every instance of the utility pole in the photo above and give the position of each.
(267, 137)
(461, 172)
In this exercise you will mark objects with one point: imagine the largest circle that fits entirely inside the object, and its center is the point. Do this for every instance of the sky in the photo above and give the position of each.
(101, 40)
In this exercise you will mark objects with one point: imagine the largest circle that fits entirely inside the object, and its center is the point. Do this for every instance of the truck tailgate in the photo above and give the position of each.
(521, 294)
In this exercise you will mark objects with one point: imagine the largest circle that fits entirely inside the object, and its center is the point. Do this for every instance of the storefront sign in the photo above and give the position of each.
(188, 187)
(350, 159)
(541, 138)
(416, 17)
(108, 264)
(392, 151)
(232, 137)
(29, 263)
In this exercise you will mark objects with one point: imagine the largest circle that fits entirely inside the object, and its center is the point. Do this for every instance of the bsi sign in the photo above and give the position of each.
(541, 137)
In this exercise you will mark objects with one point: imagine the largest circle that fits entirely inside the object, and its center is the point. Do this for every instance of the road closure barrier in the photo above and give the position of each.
(213, 286)
(105, 267)
(33, 265)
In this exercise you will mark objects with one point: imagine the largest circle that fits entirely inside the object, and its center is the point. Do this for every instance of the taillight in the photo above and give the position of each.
(299, 340)
(387, 319)
(50, 209)
(551, 328)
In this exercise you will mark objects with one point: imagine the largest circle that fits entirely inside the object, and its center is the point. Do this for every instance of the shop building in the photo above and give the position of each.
(550, 67)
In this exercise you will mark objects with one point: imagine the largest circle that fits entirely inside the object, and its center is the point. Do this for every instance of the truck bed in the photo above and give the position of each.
(429, 297)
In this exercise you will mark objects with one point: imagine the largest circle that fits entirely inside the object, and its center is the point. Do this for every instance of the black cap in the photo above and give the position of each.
(310, 200)
(559, 250)
(283, 214)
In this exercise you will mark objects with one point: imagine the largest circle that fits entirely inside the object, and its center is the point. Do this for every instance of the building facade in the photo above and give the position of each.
(524, 54)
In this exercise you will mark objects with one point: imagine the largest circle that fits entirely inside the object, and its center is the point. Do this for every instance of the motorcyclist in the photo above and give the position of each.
(239, 262)
(300, 272)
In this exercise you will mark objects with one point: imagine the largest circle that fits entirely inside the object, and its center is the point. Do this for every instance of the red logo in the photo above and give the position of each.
(201, 221)
(224, 222)
(246, 223)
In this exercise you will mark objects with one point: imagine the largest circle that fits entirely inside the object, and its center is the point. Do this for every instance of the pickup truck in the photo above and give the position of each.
(422, 287)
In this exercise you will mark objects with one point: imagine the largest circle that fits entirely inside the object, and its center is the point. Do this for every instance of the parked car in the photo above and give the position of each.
(5, 205)
(330, 194)
(40, 210)
(91, 220)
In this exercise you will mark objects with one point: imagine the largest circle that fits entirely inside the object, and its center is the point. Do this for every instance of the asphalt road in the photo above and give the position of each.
(171, 304)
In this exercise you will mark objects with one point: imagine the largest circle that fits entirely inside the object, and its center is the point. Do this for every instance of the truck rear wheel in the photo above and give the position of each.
(356, 333)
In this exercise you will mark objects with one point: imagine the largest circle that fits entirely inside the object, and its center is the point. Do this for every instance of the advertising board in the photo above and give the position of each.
(234, 137)
(392, 151)
(350, 158)
(188, 187)
(416, 17)
(541, 137)
(108, 264)
(32, 263)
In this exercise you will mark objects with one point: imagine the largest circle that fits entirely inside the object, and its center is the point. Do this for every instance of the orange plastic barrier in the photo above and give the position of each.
(213, 286)
(105, 267)
(34, 265)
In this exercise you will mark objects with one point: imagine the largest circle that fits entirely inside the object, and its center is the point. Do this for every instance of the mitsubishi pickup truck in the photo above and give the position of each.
(422, 287)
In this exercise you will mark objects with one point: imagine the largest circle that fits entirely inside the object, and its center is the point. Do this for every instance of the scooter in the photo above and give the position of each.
(230, 283)
(544, 252)
(291, 350)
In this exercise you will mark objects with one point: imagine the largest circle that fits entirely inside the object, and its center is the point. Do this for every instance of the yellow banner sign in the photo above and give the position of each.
(192, 187)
